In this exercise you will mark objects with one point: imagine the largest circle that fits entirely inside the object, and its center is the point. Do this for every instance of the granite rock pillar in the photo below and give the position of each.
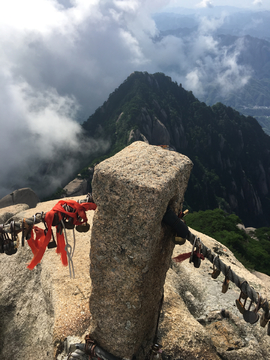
(131, 248)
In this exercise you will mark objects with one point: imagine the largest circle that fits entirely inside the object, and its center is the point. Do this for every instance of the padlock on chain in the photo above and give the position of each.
(69, 223)
(84, 227)
(196, 261)
(264, 320)
(8, 246)
(251, 316)
(179, 240)
(192, 250)
(216, 271)
(196, 255)
(239, 304)
(268, 329)
(265, 316)
(225, 285)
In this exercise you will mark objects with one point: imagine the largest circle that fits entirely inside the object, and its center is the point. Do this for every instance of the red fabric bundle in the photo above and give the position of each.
(42, 239)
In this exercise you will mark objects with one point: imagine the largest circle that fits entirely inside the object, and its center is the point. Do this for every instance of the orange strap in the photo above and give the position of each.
(40, 242)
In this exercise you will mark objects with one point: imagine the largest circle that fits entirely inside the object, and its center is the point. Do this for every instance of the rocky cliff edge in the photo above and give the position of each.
(41, 309)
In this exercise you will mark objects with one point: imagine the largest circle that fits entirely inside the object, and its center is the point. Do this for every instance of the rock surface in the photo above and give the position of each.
(76, 187)
(20, 196)
(130, 249)
(43, 312)
(230, 153)
(9, 211)
(40, 308)
(198, 321)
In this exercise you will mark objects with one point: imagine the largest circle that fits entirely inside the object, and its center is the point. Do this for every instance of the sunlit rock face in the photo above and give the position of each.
(130, 248)
(43, 311)
(20, 196)
(198, 321)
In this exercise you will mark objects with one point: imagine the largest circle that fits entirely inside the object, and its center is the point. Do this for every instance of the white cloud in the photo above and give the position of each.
(59, 63)
(26, 15)
(38, 128)
(194, 81)
(205, 3)
(257, 2)
(212, 65)
(209, 25)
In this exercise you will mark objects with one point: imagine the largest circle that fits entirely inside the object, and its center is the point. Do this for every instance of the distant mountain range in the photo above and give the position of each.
(244, 33)
(254, 98)
(237, 21)
(230, 152)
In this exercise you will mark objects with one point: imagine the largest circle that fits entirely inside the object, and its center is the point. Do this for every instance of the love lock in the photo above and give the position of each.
(268, 329)
(193, 256)
(2, 238)
(196, 255)
(225, 285)
(216, 271)
(192, 250)
(9, 246)
(252, 316)
(1, 244)
(52, 244)
(69, 223)
(179, 240)
(196, 261)
(265, 316)
(239, 304)
(26, 230)
(83, 227)
(263, 320)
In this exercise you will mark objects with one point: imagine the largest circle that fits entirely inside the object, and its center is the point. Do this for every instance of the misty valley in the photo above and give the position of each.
(195, 79)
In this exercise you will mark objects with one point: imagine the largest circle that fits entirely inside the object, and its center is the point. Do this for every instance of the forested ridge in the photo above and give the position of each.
(250, 246)
(230, 152)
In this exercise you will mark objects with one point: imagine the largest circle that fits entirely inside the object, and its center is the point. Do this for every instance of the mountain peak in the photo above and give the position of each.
(230, 152)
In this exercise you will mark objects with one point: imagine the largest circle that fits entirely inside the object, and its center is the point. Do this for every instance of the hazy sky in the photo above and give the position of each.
(250, 4)
(59, 60)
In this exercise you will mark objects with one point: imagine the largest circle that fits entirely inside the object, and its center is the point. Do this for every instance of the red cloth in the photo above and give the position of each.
(185, 256)
(39, 244)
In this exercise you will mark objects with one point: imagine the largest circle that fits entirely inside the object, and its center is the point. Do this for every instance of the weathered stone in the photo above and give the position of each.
(160, 133)
(76, 187)
(39, 309)
(198, 321)
(130, 247)
(9, 211)
(20, 196)
(136, 135)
